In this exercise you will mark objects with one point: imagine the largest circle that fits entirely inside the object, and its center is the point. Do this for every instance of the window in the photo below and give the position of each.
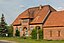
(16, 28)
(31, 28)
(20, 29)
(50, 33)
(58, 33)
(38, 27)
(25, 20)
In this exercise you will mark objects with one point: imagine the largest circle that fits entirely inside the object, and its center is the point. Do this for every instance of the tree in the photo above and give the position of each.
(3, 25)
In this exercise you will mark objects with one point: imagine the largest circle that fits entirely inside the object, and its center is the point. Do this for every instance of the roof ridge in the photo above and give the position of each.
(38, 6)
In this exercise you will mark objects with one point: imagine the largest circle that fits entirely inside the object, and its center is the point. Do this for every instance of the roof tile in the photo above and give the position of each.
(55, 19)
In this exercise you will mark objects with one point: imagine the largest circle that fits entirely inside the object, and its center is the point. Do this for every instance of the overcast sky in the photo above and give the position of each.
(12, 8)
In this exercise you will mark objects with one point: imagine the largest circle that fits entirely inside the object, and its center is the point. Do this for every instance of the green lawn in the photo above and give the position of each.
(28, 40)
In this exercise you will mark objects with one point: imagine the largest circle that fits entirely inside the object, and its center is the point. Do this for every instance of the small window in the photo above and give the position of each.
(16, 28)
(20, 28)
(50, 33)
(58, 33)
(31, 28)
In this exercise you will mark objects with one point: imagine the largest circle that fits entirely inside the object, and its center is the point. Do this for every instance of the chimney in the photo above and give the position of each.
(40, 7)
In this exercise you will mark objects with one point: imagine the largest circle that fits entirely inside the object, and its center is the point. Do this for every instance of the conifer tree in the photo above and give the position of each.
(3, 25)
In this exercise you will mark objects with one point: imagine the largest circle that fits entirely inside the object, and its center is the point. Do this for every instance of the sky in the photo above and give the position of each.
(12, 8)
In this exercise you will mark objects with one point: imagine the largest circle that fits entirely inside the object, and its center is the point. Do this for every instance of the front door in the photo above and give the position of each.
(25, 31)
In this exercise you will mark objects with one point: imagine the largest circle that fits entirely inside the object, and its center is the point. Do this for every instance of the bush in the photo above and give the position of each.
(40, 34)
(34, 34)
(17, 33)
(10, 31)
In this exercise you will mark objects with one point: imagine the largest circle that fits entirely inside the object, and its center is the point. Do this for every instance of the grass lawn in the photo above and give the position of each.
(28, 40)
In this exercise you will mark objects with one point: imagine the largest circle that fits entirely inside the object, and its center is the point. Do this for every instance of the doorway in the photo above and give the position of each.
(25, 31)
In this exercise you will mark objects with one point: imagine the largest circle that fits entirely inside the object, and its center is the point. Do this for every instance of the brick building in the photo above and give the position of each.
(46, 17)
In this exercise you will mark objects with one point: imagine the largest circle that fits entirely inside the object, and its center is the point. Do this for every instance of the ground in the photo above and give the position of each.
(29, 40)
(3, 42)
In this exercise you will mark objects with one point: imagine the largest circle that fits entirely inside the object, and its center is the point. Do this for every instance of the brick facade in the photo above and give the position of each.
(50, 20)
(53, 33)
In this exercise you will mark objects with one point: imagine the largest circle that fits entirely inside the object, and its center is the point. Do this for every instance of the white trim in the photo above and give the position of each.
(46, 15)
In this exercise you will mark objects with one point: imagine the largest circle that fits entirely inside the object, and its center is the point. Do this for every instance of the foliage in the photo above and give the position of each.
(34, 34)
(17, 33)
(0, 30)
(10, 30)
(40, 34)
(3, 26)
(3, 23)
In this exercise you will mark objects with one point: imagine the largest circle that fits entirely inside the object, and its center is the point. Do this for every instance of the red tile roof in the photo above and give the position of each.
(16, 21)
(41, 15)
(55, 19)
(25, 14)
(37, 14)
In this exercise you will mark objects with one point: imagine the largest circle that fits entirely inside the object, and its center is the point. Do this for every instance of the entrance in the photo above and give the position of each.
(25, 31)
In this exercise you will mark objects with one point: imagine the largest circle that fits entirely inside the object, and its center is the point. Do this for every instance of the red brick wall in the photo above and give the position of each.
(55, 34)
(14, 29)
(25, 24)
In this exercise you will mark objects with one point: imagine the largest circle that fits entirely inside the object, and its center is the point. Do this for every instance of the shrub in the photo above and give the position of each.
(34, 34)
(17, 33)
(40, 34)
(10, 31)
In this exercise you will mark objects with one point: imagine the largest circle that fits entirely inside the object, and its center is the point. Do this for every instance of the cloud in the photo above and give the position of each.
(60, 8)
